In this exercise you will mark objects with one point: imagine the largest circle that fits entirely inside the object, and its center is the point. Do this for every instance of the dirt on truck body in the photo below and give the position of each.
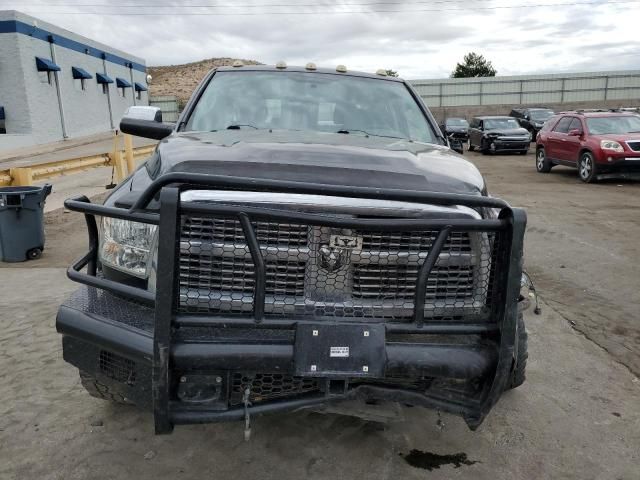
(299, 237)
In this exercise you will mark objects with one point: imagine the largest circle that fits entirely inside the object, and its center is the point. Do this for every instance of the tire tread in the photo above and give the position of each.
(518, 375)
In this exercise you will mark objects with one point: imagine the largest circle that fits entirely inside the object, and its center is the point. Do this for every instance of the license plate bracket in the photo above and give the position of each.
(340, 350)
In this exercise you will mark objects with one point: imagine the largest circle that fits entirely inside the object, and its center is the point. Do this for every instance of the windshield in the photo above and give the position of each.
(312, 102)
(457, 122)
(541, 115)
(501, 124)
(605, 125)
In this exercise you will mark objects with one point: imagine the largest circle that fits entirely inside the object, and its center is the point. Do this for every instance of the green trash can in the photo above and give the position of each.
(21, 222)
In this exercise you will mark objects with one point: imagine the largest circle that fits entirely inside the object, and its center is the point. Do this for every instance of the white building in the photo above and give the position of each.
(55, 84)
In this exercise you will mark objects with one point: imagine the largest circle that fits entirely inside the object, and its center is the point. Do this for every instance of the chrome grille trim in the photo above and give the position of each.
(412, 241)
(241, 250)
(230, 231)
(380, 281)
(515, 139)
(238, 275)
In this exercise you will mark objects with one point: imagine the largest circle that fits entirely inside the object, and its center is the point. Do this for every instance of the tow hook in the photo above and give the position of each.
(439, 423)
(247, 419)
(527, 282)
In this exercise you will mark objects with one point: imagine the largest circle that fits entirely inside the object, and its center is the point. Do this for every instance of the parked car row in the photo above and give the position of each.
(600, 144)
(489, 134)
(496, 133)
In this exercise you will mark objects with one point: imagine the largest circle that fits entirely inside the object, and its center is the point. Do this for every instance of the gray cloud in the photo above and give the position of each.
(417, 44)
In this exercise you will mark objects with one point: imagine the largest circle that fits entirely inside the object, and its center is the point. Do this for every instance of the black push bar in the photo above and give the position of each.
(166, 214)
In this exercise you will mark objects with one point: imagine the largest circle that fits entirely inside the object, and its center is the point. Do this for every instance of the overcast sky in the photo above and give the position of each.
(419, 39)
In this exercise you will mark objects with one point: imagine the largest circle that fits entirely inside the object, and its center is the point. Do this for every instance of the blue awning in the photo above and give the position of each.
(103, 78)
(79, 73)
(46, 65)
(140, 87)
(122, 83)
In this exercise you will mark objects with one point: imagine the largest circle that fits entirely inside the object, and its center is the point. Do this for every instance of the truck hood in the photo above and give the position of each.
(317, 157)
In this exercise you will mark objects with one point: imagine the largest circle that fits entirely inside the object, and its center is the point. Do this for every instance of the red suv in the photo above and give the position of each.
(599, 144)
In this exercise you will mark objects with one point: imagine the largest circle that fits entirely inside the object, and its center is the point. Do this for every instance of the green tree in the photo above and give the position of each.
(391, 73)
(474, 66)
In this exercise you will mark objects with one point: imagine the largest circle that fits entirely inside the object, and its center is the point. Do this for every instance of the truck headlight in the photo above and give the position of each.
(127, 246)
(611, 145)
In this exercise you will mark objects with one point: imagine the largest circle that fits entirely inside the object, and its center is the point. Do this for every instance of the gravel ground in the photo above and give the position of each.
(578, 415)
(582, 247)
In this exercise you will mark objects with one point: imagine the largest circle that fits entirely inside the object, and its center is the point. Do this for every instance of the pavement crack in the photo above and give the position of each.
(575, 326)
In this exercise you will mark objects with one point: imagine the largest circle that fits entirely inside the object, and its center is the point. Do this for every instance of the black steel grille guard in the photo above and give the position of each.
(166, 212)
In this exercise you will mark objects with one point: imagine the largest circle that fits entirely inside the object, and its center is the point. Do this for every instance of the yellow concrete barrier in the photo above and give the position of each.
(124, 162)
(128, 152)
(5, 178)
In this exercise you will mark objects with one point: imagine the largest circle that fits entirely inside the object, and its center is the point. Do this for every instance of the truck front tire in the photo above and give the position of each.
(518, 375)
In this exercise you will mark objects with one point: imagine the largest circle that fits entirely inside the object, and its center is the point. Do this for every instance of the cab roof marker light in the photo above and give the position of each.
(310, 66)
(281, 65)
(381, 72)
(341, 69)
(238, 63)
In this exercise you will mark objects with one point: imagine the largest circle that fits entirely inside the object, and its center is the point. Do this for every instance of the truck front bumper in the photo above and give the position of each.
(112, 339)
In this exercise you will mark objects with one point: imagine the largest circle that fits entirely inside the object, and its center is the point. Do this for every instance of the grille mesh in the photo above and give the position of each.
(117, 367)
(306, 277)
(269, 386)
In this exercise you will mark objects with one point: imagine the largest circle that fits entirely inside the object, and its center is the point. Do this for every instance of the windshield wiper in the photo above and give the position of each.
(367, 134)
(237, 126)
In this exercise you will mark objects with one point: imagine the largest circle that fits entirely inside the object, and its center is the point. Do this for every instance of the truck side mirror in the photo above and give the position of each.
(145, 122)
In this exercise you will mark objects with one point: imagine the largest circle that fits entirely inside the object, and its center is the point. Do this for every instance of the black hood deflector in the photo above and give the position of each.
(323, 158)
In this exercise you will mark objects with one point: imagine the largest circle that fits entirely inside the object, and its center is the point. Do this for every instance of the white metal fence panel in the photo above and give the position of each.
(530, 89)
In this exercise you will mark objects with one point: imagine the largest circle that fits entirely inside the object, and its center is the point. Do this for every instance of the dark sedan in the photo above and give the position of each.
(498, 134)
(456, 128)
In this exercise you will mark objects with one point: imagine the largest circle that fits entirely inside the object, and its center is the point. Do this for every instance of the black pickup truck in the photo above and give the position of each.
(301, 236)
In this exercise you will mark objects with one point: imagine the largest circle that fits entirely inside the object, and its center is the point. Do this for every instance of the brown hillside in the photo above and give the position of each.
(181, 80)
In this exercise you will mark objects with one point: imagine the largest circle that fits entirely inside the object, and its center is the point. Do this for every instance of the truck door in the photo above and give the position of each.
(571, 147)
